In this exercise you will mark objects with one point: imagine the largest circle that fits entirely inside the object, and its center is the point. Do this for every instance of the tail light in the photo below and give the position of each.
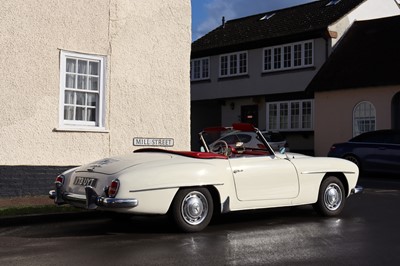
(113, 188)
(60, 179)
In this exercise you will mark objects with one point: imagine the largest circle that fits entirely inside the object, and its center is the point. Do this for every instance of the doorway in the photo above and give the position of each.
(249, 114)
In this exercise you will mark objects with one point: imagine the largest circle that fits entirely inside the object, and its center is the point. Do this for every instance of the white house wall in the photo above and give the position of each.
(146, 44)
(370, 9)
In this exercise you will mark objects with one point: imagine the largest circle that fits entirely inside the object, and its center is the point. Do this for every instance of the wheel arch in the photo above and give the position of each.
(359, 162)
(214, 194)
(342, 179)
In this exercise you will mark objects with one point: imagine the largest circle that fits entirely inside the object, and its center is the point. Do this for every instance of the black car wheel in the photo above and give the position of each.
(192, 209)
(331, 197)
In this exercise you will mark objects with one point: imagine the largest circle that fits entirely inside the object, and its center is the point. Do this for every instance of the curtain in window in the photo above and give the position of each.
(364, 118)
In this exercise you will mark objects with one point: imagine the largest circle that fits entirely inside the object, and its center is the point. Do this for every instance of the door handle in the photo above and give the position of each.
(237, 171)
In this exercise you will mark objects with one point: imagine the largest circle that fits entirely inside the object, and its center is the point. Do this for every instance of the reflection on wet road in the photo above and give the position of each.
(366, 233)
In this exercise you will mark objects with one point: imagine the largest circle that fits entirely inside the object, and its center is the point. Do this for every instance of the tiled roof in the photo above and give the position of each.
(253, 31)
(367, 56)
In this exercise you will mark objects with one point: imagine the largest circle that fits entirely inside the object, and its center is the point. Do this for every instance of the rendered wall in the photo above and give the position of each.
(147, 48)
(334, 114)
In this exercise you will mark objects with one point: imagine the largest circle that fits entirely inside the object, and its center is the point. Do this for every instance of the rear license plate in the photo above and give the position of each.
(85, 181)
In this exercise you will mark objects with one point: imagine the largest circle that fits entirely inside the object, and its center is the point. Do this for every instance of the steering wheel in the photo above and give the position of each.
(221, 147)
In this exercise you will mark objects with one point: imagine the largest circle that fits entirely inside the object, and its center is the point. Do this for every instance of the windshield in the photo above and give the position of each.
(233, 142)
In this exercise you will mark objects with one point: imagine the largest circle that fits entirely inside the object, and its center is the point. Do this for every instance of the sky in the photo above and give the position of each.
(207, 14)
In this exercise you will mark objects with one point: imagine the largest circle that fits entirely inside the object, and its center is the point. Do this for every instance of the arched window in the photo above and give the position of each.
(364, 118)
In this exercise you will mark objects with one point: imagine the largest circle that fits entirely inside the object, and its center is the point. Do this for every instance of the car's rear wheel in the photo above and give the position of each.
(192, 209)
(331, 197)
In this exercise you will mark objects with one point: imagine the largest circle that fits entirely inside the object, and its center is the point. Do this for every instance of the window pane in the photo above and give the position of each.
(273, 116)
(295, 115)
(82, 67)
(307, 115)
(80, 114)
(297, 55)
(308, 53)
(68, 112)
(70, 81)
(70, 67)
(80, 98)
(243, 63)
(224, 66)
(233, 64)
(91, 99)
(283, 115)
(267, 59)
(204, 71)
(82, 82)
(69, 97)
(91, 114)
(196, 69)
(287, 56)
(277, 58)
(93, 83)
(94, 68)
(364, 118)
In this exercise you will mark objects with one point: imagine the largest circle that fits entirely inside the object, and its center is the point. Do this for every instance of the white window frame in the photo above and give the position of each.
(282, 57)
(234, 67)
(203, 75)
(99, 121)
(282, 117)
(364, 118)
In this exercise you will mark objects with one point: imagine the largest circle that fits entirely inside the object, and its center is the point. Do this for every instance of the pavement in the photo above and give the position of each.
(11, 216)
(27, 201)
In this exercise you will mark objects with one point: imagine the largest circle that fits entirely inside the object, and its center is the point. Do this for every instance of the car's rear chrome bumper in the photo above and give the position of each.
(357, 189)
(90, 200)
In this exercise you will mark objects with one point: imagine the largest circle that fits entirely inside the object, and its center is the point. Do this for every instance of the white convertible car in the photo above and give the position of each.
(192, 186)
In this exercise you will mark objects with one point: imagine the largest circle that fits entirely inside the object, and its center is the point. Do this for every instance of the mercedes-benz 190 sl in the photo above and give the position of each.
(222, 177)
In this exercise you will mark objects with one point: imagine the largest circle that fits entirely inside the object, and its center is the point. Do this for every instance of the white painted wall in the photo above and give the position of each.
(370, 9)
(147, 47)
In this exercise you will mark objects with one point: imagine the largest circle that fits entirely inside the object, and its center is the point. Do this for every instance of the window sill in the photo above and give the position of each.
(81, 129)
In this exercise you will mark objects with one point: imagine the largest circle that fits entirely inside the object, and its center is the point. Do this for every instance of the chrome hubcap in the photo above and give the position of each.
(333, 197)
(194, 208)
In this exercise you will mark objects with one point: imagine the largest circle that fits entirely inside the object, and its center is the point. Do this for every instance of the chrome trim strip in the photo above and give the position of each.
(326, 171)
(174, 187)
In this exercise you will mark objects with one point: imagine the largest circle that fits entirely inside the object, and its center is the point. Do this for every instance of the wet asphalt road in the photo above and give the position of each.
(366, 233)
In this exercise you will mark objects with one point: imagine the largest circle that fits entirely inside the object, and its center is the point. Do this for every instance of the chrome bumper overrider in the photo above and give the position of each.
(90, 200)
(357, 189)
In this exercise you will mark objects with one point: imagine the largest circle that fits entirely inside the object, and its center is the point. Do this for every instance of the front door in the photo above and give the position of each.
(249, 114)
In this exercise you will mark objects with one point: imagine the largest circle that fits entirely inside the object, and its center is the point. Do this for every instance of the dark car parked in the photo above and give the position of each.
(373, 152)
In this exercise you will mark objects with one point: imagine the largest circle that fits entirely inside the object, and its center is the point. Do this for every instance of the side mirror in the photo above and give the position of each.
(282, 150)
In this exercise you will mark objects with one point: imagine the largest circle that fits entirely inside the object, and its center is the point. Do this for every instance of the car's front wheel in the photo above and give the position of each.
(192, 209)
(331, 197)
